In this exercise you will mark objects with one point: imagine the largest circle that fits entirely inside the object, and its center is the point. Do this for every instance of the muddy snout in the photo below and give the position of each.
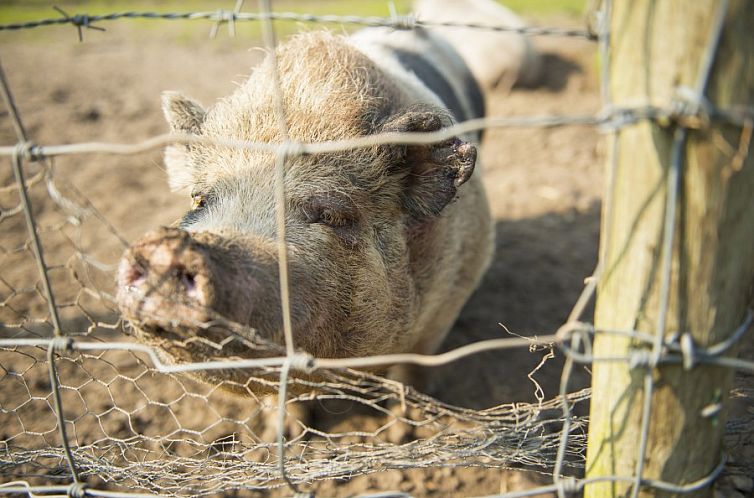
(165, 279)
(173, 283)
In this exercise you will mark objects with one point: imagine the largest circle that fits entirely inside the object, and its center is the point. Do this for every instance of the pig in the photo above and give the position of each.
(385, 243)
(498, 60)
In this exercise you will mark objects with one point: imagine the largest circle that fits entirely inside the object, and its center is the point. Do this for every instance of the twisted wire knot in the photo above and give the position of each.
(225, 15)
(612, 118)
(302, 361)
(688, 351)
(690, 108)
(25, 151)
(77, 490)
(403, 21)
(291, 148)
(61, 344)
(80, 21)
(397, 21)
(574, 327)
(567, 486)
(641, 358)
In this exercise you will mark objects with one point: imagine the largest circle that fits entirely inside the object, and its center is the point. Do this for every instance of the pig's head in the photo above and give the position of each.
(357, 222)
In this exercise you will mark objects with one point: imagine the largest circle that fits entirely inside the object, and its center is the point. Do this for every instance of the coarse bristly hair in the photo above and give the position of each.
(330, 91)
(383, 250)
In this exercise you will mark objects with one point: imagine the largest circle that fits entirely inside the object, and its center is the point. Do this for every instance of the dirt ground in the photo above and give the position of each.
(544, 186)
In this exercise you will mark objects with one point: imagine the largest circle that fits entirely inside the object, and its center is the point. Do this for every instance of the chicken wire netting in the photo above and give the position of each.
(132, 421)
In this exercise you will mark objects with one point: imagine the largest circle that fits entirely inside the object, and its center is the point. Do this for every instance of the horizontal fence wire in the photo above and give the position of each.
(222, 16)
(612, 119)
(198, 461)
(681, 352)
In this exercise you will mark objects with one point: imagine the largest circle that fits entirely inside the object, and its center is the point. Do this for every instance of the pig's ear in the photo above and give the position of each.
(184, 115)
(434, 171)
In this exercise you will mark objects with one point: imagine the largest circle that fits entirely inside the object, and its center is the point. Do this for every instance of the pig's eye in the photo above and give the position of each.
(333, 218)
(198, 201)
(330, 210)
(328, 216)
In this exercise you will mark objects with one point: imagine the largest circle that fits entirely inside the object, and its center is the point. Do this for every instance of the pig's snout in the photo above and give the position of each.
(165, 278)
(136, 275)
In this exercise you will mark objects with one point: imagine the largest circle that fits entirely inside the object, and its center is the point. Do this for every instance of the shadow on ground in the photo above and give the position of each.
(535, 278)
(556, 71)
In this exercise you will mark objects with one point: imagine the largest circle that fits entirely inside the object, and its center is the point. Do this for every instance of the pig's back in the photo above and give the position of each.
(426, 66)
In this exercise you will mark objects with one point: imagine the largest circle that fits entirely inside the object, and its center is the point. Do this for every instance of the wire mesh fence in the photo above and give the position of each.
(81, 397)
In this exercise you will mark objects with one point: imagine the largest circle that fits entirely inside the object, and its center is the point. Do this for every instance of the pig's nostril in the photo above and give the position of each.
(134, 276)
(188, 281)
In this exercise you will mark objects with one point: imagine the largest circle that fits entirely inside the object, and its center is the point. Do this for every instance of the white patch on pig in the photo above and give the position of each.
(374, 44)
(496, 59)
(180, 177)
(235, 208)
(379, 45)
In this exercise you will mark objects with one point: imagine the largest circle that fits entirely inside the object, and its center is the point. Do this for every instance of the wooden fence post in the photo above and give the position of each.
(657, 47)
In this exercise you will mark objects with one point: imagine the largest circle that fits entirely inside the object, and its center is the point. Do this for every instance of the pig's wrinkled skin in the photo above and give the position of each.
(385, 243)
